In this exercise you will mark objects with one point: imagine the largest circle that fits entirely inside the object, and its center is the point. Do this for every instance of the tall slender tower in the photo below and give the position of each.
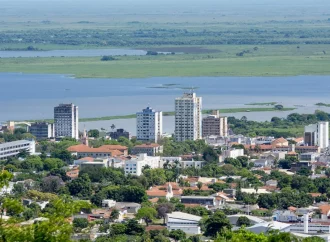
(149, 125)
(188, 117)
(66, 121)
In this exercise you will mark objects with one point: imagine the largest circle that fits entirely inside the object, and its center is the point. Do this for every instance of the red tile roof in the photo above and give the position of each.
(279, 140)
(324, 209)
(262, 147)
(87, 159)
(114, 150)
(73, 174)
(315, 194)
(152, 145)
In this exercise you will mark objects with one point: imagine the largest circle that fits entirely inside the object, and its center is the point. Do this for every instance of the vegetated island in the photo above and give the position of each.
(322, 104)
(262, 104)
(171, 113)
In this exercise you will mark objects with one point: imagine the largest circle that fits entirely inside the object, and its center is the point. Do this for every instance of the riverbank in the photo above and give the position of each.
(132, 116)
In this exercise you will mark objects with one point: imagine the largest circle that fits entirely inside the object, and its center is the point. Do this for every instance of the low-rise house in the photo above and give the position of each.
(262, 163)
(280, 142)
(285, 216)
(222, 199)
(192, 163)
(73, 173)
(271, 183)
(302, 164)
(325, 211)
(251, 191)
(165, 191)
(186, 222)
(232, 153)
(210, 201)
(97, 163)
(128, 207)
(273, 155)
(108, 203)
(230, 192)
(151, 149)
(263, 140)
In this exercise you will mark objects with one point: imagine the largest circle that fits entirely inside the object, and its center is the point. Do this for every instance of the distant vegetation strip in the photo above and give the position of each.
(262, 104)
(207, 111)
(322, 104)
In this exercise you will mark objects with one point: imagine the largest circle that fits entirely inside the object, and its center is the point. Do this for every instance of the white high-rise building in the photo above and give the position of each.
(317, 135)
(66, 121)
(149, 125)
(188, 117)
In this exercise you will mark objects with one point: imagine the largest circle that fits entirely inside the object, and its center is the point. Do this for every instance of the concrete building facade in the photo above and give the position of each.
(135, 166)
(66, 121)
(119, 133)
(149, 125)
(149, 149)
(42, 130)
(11, 149)
(214, 124)
(317, 135)
(188, 117)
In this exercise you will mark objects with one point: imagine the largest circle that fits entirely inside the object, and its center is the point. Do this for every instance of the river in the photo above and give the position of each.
(33, 96)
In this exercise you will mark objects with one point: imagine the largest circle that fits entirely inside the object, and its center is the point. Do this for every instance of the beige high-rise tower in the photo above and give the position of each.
(188, 117)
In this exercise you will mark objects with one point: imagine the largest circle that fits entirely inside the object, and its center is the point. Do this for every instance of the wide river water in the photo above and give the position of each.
(33, 96)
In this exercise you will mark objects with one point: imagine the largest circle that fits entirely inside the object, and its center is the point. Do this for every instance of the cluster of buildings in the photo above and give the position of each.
(189, 122)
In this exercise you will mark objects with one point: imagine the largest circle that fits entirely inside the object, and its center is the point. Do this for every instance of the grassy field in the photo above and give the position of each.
(274, 60)
(171, 113)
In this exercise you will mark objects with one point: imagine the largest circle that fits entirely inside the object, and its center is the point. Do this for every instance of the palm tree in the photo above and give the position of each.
(199, 185)
(113, 126)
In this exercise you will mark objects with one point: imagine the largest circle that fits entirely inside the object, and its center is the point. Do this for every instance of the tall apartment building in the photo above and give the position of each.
(42, 130)
(317, 135)
(188, 117)
(149, 125)
(11, 149)
(214, 124)
(66, 121)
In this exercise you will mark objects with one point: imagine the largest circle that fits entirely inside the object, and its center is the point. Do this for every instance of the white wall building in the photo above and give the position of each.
(135, 166)
(149, 125)
(188, 117)
(192, 163)
(11, 149)
(317, 135)
(66, 121)
(233, 153)
(184, 221)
